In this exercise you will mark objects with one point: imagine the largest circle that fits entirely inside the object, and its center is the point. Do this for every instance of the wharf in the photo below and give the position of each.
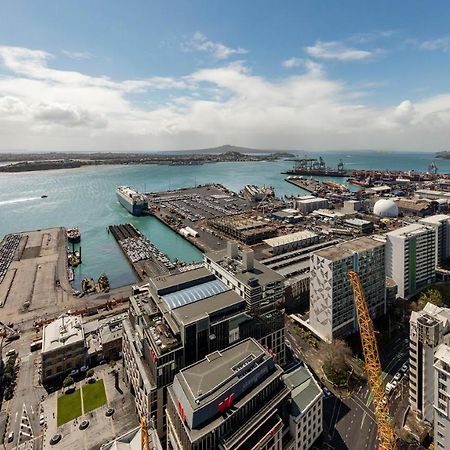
(193, 208)
(302, 183)
(143, 255)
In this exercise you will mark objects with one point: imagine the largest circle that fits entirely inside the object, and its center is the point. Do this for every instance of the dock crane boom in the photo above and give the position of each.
(386, 434)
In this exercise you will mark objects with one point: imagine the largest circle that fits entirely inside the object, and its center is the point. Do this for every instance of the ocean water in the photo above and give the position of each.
(85, 198)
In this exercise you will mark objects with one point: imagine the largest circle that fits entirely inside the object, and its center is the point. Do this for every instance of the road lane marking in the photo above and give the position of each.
(362, 421)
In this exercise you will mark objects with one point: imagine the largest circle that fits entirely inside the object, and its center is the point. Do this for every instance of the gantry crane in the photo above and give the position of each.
(386, 434)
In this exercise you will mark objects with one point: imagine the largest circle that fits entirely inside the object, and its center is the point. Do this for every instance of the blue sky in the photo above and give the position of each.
(153, 75)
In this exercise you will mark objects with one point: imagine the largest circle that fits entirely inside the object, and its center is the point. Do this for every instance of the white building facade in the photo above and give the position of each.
(442, 398)
(411, 257)
(428, 329)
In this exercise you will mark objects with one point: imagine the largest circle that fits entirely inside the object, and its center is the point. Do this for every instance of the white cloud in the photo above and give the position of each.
(46, 108)
(77, 55)
(199, 42)
(337, 50)
(292, 62)
(442, 43)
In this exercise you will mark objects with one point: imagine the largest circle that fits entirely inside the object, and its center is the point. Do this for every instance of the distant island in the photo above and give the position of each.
(443, 155)
(26, 162)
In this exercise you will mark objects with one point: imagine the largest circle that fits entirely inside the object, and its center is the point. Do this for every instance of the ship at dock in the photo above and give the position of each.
(134, 202)
(316, 167)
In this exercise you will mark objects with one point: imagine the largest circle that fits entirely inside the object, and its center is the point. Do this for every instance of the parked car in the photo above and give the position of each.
(405, 368)
(11, 436)
(398, 376)
(10, 352)
(41, 420)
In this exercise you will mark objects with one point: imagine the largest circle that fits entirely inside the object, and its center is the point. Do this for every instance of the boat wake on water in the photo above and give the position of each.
(18, 200)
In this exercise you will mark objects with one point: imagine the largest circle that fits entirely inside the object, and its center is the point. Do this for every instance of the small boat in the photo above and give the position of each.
(73, 235)
(44, 196)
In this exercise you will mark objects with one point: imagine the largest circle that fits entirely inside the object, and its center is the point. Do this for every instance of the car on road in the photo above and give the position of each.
(326, 392)
(11, 436)
(288, 344)
(398, 376)
(10, 352)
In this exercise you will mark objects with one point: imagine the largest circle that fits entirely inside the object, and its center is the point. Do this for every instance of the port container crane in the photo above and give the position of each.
(386, 434)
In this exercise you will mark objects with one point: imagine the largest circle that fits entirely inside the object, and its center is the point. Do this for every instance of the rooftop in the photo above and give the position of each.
(348, 248)
(408, 230)
(193, 312)
(311, 199)
(431, 313)
(358, 222)
(290, 238)
(442, 354)
(304, 389)
(436, 219)
(65, 330)
(260, 272)
(210, 377)
(176, 281)
(194, 293)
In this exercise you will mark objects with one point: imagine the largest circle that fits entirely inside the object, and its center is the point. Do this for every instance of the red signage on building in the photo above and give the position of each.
(226, 404)
(181, 411)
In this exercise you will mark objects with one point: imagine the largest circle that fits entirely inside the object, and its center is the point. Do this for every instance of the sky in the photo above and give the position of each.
(171, 75)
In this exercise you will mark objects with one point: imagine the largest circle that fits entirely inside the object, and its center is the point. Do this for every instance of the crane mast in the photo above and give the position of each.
(386, 434)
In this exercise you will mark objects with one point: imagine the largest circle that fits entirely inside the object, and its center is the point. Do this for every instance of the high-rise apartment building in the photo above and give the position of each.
(441, 225)
(175, 321)
(428, 329)
(332, 311)
(442, 397)
(411, 257)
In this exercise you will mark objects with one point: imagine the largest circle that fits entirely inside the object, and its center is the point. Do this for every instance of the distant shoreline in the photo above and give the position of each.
(36, 162)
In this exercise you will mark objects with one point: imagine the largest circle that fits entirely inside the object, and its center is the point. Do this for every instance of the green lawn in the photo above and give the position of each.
(94, 396)
(69, 407)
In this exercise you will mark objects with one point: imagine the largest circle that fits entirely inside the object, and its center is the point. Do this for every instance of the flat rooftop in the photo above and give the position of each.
(65, 330)
(409, 230)
(193, 312)
(310, 199)
(290, 238)
(262, 273)
(348, 248)
(175, 281)
(220, 370)
(436, 219)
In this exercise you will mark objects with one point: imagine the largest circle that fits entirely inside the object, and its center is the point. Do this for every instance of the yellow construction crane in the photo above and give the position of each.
(145, 445)
(386, 434)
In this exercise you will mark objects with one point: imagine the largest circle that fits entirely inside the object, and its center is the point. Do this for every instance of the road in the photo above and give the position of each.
(349, 421)
(23, 408)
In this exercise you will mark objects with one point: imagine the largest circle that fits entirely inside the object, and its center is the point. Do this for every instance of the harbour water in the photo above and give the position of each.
(85, 198)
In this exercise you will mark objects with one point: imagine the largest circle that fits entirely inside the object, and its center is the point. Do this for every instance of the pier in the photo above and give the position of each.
(145, 258)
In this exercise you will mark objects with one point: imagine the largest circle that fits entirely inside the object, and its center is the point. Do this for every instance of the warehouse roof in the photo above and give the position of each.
(290, 238)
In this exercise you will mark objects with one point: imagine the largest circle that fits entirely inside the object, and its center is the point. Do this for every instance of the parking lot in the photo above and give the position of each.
(200, 203)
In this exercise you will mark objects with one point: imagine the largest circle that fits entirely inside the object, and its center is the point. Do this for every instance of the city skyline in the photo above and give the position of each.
(158, 77)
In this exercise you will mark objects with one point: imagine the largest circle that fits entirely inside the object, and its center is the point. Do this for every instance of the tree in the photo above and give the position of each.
(90, 373)
(335, 361)
(431, 296)
(68, 381)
